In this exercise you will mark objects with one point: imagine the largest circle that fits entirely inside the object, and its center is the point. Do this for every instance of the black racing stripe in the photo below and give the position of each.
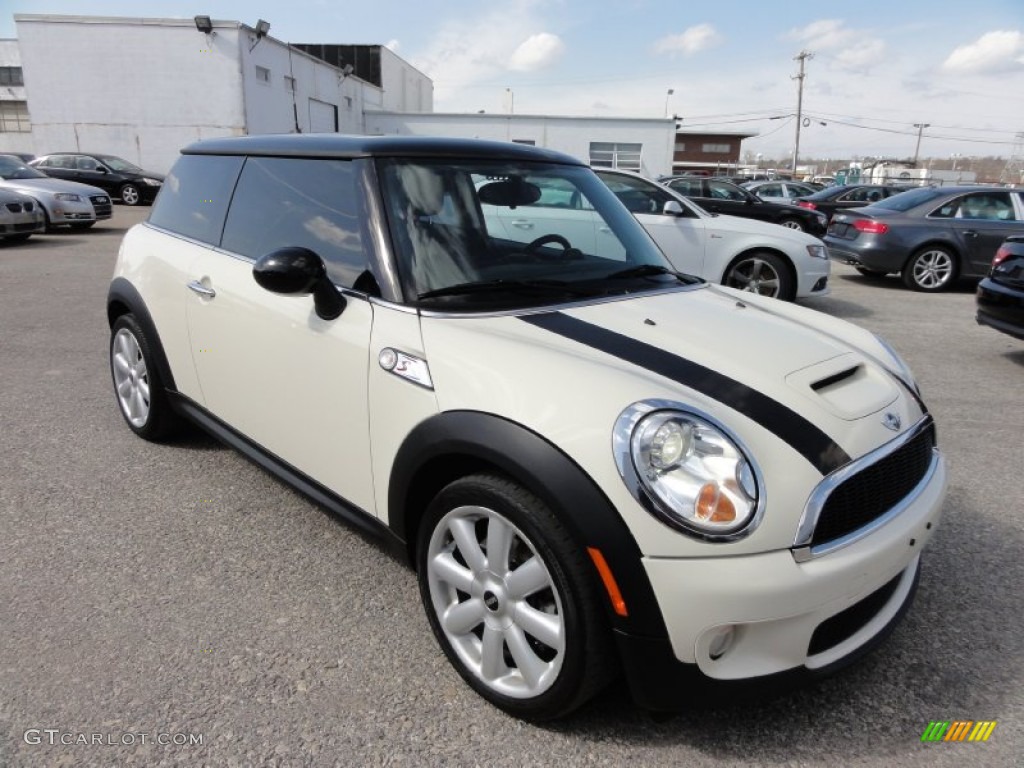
(813, 444)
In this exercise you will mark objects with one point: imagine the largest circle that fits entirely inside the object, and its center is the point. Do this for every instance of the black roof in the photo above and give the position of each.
(337, 145)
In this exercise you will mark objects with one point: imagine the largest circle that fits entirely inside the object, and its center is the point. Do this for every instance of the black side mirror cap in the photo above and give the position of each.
(297, 272)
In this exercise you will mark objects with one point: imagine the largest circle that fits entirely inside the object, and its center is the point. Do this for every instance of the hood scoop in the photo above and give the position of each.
(848, 385)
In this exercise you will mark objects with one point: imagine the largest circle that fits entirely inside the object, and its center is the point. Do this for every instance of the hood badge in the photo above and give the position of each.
(892, 421)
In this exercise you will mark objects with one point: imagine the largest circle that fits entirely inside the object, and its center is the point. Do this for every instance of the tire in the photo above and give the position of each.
(19, 238)
(793, 224)
(527, 632)
(130, 194)
(763, 273)
(872, 273)
(931, 269)
(140, 393)
(83, 225)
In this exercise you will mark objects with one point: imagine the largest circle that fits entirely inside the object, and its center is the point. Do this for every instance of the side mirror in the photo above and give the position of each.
(299, 272)
(101, 169)
(672, 208)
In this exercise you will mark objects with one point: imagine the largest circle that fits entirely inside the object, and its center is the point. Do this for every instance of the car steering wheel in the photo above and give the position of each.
(568, 252)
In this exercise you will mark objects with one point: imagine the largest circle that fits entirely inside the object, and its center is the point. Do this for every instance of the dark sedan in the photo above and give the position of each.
(122, 180)
(720, 196)
(1001, 294)
(832, 199)
(930, 235)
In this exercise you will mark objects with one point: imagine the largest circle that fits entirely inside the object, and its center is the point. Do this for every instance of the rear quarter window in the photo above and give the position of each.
(195, 195)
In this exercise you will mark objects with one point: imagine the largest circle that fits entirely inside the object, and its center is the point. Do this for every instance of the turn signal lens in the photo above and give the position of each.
(870, 226)
(714, 506)
(1001, 255)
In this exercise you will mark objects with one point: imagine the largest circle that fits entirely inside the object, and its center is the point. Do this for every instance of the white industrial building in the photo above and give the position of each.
(637, 144)
(143, 88)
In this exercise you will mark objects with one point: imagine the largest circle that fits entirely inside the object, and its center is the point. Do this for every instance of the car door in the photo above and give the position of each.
(983, 220)
(92, 172)
(59, 166)
(723, 197)
(560, 210)
(268, 365)
(680, 237)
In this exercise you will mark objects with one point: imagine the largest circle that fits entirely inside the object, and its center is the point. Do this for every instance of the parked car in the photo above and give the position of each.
(25, 157)
(63, 202)
(839, 198)
(121, 180)
(584, 454)
(742, 253)
(20, 216)
(720, 196)
(930, 235)
(778, 191)
(1001, 294)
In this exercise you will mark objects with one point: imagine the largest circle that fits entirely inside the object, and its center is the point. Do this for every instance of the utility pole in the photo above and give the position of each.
(920, 129)
(801, 57)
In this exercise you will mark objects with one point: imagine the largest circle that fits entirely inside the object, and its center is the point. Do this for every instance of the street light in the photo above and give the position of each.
(668, 93)
(920, 129)
(955, 157)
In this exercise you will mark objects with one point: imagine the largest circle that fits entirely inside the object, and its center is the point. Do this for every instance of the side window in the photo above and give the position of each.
(86, 164)
(769, 190)
(720, 191)
(855, 195)
(987, 206)
(194, 197)
(313, 204)
(638, 196)
(686, 187)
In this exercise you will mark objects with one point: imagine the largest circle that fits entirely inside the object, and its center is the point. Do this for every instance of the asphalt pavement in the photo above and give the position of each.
(175, 605)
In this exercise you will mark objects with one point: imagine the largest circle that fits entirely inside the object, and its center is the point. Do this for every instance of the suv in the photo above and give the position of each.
(592, 461)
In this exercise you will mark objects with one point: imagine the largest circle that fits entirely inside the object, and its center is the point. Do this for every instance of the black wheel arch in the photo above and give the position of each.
(457, 443)
(123, 298)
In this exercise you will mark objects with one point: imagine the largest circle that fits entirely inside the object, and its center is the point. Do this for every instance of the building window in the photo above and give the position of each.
(606, 154)
(262, 74)
(14, 117)
(680, 146)
(348, 103)
(289, 83)
(11, 76)
(721, 149)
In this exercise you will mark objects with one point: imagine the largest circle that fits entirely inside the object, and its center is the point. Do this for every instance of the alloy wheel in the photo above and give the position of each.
(131, 378)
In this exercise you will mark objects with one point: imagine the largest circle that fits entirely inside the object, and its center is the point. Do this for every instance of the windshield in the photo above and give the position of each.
(12, 168)
(483, 234)
(904, 201)
(117, 164)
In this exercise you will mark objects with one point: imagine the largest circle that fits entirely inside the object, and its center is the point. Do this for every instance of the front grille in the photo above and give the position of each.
(102, 205)
(846, 624)
(875, 490)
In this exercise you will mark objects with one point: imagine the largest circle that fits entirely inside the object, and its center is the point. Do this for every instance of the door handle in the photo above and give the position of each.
(196, 287)
(971, 232)
(522, 224)
(604, 230)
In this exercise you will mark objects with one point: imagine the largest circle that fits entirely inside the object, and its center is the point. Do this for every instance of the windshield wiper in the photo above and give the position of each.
(651, 270)
(498, 286)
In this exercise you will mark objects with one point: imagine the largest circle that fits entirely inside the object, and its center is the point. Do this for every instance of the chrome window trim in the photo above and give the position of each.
(622, 436)
(802, 551)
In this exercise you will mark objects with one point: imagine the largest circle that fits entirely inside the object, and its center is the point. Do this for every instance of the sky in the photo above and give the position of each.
(878, 68)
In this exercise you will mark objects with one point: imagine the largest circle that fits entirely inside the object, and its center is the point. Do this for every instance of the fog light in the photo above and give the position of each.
(721, 642)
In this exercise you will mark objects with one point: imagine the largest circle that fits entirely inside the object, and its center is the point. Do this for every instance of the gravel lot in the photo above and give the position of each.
(150, 590)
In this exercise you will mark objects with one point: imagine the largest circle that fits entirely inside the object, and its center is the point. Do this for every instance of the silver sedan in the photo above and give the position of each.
(63, 202)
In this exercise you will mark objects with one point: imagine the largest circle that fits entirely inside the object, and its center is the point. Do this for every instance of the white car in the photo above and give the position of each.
(78, 206)
(779, 191)
(742, 253)
(594, 463)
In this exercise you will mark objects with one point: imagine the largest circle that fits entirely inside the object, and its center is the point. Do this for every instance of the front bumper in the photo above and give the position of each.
(783, 619)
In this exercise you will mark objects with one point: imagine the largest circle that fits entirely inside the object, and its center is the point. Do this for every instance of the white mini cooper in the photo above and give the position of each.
(594, 463)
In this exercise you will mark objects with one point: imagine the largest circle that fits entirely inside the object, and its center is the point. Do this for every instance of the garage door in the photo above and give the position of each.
(323, 117)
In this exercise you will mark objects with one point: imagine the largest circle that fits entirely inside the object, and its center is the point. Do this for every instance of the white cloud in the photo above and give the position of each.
(537, 52)
(992, 52)
(848, 49)
(392, 45)
(690, 41)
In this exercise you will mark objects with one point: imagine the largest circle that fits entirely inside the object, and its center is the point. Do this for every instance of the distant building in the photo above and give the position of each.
(143, 88)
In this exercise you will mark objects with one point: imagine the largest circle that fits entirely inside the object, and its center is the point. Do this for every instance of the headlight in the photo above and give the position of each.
(899, 365)
(67, 196)
(694, 475)
(818, 251)
(151, 182)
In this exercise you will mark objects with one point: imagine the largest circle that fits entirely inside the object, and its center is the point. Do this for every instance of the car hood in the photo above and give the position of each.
(30, 186)
(805, 400)
(744, 226)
